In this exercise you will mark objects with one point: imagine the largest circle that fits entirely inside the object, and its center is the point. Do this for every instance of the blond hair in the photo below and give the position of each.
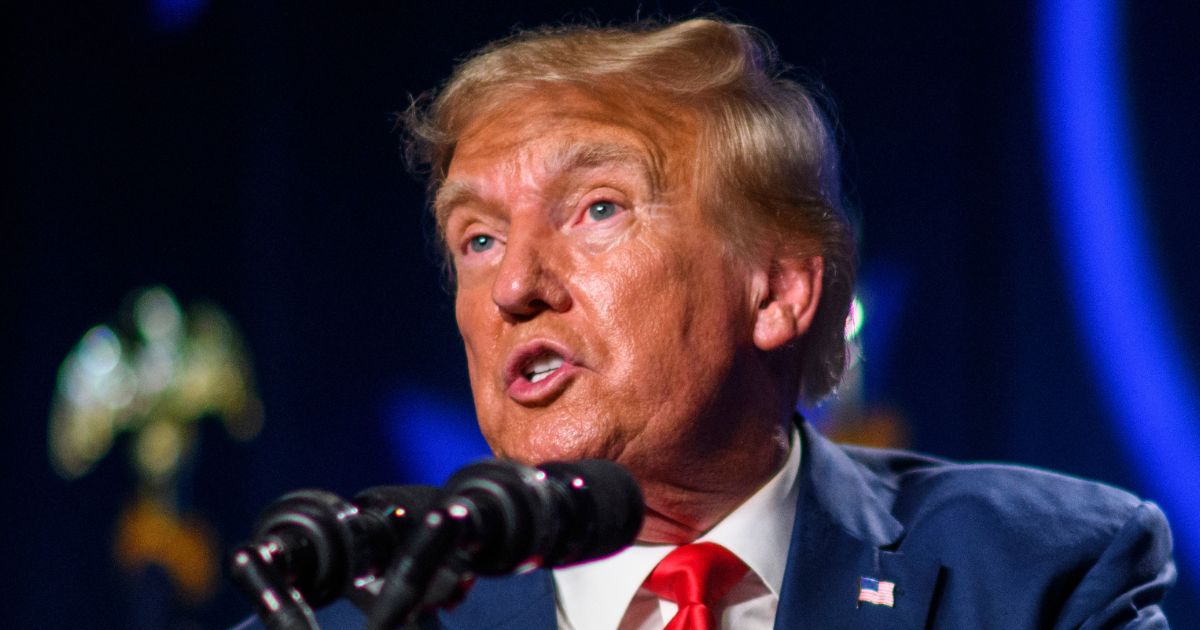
(771, 160)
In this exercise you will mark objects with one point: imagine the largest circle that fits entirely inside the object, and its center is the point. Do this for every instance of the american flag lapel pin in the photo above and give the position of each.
(877, 592)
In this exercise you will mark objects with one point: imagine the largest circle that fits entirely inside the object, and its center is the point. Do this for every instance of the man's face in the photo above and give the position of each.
(601, 314)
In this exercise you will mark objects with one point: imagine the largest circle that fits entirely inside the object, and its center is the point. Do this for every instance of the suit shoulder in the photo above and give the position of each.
(999, 502)
(1029, 546)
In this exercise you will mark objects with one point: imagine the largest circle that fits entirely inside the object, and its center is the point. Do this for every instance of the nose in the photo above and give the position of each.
(531, 276)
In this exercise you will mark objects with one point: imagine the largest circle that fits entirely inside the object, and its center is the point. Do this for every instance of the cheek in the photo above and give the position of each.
(470, 315)
(479, 340)
(652, 305)
(626, 294)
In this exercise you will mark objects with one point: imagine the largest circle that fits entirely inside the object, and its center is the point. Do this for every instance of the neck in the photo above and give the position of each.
(684, 507)
(731, 450)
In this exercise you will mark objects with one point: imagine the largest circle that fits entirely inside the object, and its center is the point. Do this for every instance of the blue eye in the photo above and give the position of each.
(601, 210)
(481, 243)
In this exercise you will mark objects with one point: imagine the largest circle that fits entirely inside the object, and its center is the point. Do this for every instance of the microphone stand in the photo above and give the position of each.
(494, 518)
(501, 517)
(278, 604)
(489, 522)
(420, 577)
(311, 547)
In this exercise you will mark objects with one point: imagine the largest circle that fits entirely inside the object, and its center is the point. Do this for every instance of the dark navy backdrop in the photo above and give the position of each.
(244, 154)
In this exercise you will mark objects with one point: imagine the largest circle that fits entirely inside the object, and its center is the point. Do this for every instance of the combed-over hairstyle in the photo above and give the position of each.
(769, 157)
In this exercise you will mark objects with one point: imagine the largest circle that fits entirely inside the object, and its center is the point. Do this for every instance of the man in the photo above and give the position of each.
(652, 266)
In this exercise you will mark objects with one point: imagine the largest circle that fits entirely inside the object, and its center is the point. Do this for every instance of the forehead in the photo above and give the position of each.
(531, 111)
(560, 130)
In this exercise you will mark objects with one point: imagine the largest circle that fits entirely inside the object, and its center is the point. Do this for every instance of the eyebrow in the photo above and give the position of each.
(449, 195)
(565, 159)
(583, 156)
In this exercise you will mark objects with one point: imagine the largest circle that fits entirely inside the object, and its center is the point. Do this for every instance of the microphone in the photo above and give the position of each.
(497, 517)
(311, 546)
(518, 518)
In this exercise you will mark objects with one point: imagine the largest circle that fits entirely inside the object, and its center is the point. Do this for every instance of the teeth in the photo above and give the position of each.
(542, 368)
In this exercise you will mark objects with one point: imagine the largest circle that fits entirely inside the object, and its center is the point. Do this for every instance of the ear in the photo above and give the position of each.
(786, 312)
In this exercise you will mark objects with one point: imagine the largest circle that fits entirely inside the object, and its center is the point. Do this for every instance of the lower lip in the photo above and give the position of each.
(525, 392)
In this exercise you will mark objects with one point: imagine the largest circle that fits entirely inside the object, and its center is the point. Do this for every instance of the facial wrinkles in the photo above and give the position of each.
(514, 182)
(648, 248)
(638, 264)
(638, 250)
(577, 425)
(526, 183)
(642, 155)
(631, 160)
(660, 281)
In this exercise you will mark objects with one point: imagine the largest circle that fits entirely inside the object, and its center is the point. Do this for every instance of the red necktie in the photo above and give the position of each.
(695, 576)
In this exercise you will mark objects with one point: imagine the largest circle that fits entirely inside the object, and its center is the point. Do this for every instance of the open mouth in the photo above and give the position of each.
(537, 372)
(541, 367)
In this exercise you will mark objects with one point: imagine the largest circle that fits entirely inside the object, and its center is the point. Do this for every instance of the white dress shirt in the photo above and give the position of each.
(608, 595)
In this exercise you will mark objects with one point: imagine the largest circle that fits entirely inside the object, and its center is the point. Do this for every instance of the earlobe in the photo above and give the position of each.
(773, 327)
(787, 311)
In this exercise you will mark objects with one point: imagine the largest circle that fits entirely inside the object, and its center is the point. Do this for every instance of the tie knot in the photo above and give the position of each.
(699, 573)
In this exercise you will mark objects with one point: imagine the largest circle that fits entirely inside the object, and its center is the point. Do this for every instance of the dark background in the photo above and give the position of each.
(244, 154)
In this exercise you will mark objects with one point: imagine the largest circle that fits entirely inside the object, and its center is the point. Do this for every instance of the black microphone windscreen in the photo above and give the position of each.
(604, 506)
(499, 516)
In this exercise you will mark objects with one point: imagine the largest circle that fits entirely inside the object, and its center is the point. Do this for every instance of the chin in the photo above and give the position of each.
(558, 443)
(541, 453)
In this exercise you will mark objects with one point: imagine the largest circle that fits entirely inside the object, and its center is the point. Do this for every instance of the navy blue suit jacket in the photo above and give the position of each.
(966, 545)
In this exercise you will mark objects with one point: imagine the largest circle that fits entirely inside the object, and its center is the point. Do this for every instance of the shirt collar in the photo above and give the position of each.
(596, 594)
(759, 531)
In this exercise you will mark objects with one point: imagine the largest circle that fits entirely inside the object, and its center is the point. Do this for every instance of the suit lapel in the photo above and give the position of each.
(519, 602)
(844, 531)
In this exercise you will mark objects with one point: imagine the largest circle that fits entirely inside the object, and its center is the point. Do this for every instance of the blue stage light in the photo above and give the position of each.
(432, 436)
(1122, 308)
